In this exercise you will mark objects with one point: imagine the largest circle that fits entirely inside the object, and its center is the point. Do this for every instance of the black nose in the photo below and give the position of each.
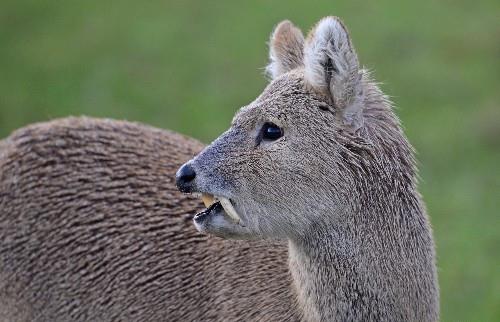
(184, 178)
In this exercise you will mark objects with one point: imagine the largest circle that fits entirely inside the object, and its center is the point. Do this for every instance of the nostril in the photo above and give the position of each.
(185, 175)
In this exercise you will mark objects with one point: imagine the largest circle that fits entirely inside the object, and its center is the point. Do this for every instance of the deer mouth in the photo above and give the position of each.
(216, 204)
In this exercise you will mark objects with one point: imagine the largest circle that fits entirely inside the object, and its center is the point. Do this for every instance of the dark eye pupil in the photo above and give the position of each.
(271, 132)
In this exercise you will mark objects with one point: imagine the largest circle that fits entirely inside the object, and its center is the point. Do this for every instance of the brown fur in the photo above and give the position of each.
(340, 185)
(93, 229)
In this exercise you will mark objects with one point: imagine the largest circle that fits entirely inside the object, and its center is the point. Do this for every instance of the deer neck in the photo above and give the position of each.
(319, 266)
(358, 269)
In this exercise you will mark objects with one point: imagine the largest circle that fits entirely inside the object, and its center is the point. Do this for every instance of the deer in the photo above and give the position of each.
(308, 208)
(320, 161)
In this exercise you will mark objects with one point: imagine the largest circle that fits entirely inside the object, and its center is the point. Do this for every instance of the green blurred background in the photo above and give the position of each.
(188, 66)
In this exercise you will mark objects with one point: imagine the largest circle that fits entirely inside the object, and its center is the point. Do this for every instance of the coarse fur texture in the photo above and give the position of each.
(340, 185)
(92, 228)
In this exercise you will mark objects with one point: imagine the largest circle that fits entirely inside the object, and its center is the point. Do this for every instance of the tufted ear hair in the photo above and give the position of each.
(332, 67)
(286, 48)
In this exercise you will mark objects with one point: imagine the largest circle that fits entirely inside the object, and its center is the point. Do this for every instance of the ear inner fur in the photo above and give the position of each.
(285, 49)
(332, 67)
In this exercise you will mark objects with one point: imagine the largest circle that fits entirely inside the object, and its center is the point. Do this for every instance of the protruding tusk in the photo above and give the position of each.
(228, 207)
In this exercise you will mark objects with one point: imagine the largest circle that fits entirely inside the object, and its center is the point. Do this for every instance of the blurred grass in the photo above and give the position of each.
(188, 65)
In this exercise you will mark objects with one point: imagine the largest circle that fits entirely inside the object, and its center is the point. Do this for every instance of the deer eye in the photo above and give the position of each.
(271, 132)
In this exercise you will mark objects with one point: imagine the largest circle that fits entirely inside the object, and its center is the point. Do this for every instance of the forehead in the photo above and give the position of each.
(284, 96)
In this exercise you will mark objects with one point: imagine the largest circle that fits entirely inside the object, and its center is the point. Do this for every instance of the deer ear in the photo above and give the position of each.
(286, 48)
(332, 67)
